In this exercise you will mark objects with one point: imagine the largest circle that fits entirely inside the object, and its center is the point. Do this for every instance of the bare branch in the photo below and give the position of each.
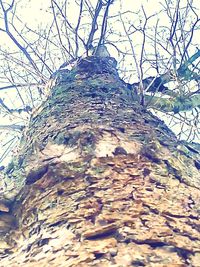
(7, 30)
(94, 25)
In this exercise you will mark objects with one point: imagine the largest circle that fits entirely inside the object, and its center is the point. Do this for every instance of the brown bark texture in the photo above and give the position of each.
(99, 181)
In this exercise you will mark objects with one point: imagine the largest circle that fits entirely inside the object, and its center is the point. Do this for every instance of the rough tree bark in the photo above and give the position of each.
(99, 181)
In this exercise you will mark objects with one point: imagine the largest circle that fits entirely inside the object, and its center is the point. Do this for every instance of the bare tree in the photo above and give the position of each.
(98, 179)
(158, 61)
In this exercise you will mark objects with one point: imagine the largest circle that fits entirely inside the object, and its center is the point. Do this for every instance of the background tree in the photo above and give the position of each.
(94, 163)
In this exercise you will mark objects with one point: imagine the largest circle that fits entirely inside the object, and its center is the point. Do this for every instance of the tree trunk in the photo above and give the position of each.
(99, 181)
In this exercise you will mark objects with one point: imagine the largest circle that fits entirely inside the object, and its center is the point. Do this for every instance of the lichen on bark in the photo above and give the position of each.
(105, 182)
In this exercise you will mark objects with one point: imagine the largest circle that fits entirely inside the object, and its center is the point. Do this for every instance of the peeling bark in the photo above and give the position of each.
(99, 181)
